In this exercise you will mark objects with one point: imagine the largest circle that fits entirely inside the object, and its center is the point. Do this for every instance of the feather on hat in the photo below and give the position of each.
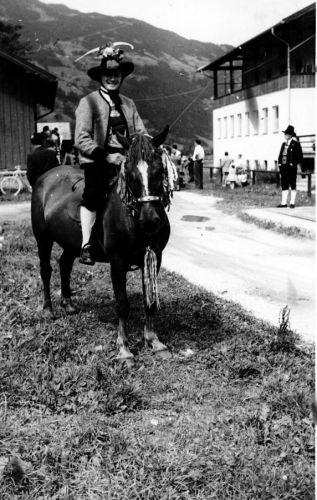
(112, 59)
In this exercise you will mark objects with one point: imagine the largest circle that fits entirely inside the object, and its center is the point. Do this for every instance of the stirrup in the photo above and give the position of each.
(85, 255)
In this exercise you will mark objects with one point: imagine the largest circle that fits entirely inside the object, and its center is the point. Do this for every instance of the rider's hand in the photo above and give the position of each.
(98, 155)
(115, 158)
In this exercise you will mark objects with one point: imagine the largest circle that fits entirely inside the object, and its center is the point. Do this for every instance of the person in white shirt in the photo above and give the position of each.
(225, 164)
(176, 156)
(198, 157)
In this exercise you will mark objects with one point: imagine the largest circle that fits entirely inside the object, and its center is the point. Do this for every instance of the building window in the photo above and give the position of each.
(247, 123)
(255, 121)
(219, 127)
(276, 122)
(225, 127)
(232, 126)
(265, 119)
(239, 124)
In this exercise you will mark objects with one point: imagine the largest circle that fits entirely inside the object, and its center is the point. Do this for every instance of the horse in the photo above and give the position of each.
(131, 230)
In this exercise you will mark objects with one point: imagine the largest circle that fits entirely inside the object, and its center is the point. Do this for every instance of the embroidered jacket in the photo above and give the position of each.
(92, 123)
(294, 154)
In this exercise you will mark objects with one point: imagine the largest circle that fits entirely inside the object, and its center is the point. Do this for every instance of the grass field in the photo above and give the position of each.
(229, 416)
(260, 195)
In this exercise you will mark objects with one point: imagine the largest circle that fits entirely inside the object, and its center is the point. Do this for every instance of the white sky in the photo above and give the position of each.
(217, 21)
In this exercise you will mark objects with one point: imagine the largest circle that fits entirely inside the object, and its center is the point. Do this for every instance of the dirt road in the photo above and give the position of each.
(260, 269)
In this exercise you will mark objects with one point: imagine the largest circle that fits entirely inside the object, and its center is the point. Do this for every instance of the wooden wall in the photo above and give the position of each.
(17, 115)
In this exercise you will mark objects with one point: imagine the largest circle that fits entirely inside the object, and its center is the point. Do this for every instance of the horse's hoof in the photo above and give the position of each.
(68, 307)
(71, 310)
(126, 362)
(163, 355)
(48, 313)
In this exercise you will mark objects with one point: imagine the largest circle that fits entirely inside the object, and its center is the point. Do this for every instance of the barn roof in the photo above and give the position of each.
(236, 53)
(45, 82)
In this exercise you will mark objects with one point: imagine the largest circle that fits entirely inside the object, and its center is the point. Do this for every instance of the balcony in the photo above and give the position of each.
(300, 80)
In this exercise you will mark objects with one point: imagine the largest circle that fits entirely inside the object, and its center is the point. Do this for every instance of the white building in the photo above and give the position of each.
(261, 87)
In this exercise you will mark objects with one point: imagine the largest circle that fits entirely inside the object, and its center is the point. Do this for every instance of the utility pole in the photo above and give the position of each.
(288, 66)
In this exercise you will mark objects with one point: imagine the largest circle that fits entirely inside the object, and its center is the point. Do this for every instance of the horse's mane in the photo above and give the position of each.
(141, 149)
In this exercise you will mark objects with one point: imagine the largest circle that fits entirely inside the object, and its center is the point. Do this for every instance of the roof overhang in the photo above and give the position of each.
(45, 83)
(236, 53)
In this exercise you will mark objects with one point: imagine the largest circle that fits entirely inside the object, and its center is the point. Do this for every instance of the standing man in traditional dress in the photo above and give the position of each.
(289, 159)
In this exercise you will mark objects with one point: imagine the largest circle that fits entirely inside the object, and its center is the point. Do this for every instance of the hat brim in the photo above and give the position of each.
(95, 73)
(289, 130)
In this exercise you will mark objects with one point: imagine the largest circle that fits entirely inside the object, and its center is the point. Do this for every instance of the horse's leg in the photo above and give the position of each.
(66, 262)
(119, 283)
(150, 335)
(45, 245)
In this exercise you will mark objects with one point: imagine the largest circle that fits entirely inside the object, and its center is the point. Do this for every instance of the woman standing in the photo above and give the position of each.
(101, 117)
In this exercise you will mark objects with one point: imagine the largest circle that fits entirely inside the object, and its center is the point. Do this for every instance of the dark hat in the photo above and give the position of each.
(289, 130)
(111, 60)
(37, 138)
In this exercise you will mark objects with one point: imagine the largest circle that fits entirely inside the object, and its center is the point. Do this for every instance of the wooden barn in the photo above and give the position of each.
(27, 93)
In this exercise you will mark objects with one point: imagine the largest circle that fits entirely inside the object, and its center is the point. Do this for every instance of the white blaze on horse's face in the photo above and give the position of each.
(143, 169)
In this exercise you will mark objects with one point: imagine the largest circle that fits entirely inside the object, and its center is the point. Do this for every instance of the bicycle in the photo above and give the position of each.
(14, 183)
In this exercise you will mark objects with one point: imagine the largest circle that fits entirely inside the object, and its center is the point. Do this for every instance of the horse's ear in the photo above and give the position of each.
(160, 138)
(125, 143)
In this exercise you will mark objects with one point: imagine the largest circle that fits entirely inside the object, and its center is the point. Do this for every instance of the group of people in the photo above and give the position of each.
(234, 172)
(54, 136)
(193, 163)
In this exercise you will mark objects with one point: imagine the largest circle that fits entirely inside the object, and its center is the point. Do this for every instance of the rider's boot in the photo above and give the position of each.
(87, 219)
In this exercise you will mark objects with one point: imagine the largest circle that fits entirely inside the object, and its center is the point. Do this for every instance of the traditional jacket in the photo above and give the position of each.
(294, 154)
(92, 123)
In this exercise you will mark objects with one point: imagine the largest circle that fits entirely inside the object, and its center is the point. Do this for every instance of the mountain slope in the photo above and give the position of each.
(163, 85)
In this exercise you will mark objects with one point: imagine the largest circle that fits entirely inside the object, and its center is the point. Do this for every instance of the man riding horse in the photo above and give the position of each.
(102, 118)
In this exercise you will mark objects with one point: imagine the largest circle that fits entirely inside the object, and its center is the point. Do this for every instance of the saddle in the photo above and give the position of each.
(74, 202)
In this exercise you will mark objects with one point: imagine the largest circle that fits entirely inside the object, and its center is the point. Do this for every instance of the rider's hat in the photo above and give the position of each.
(112, 59)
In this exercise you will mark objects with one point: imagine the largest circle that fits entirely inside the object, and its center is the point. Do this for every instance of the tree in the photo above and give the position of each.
(10, 40)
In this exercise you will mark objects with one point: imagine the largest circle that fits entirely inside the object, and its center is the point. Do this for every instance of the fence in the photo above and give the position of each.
(255, 173)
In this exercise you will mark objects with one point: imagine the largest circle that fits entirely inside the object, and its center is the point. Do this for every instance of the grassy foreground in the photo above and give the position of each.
(228, 417)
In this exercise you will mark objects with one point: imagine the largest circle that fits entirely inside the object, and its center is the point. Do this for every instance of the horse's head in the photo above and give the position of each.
(145, 173)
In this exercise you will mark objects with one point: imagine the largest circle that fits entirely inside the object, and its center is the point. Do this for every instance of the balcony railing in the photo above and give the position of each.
(300, 80)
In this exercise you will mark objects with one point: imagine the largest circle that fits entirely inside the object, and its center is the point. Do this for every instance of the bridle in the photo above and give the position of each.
(130, 200)
(145, 199)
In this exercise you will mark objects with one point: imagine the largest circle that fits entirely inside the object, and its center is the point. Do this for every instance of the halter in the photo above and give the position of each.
(144, 199)
(132, 203)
